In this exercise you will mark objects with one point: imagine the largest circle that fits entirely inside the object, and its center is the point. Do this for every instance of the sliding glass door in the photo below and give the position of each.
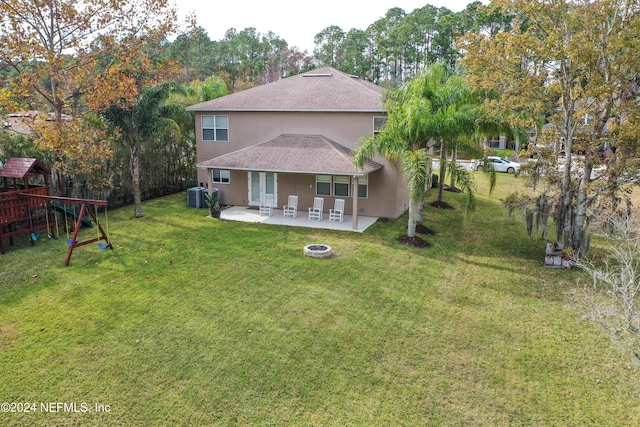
(261, 185)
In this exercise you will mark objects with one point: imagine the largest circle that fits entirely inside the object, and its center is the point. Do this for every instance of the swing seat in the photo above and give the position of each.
(104, 247)
(34, 237)
(70, 242)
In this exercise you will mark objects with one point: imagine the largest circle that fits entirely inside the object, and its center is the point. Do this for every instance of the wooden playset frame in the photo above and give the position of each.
(22, 203)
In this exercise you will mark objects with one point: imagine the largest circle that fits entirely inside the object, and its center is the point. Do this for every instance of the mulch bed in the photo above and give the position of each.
(442, 205)
(452, 189)
(424, 230)
(416, 241)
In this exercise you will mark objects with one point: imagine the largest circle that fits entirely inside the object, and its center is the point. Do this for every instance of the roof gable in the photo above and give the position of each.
(324, 89)
(18, 167)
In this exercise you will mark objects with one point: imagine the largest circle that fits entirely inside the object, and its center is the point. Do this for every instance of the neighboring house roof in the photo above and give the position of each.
(312, 154)
(18, 167)
(324, 89)
(23, 123)
(579, 128)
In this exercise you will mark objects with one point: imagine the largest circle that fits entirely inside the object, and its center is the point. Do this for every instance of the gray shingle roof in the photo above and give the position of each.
(324, 89)
(293, 154)
(24, 123)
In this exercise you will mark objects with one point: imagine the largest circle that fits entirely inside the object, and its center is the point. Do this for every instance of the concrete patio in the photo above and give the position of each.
(250, 214)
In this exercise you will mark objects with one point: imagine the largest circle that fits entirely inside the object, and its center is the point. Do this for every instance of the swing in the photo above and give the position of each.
(34, 236)
(57, 208)
(46, 215)
(55, 214)
(66, 218)
(106, 221)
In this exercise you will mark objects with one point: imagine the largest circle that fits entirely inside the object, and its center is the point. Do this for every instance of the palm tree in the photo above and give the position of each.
(454, 110)
(139, 123)
(414, 161)
(434, 106)
(197, 91)
(459, 177)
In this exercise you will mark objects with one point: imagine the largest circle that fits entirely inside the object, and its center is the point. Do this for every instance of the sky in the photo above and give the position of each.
(297, 22)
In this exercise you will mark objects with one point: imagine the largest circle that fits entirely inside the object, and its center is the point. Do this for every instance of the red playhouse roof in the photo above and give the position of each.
(17, 167)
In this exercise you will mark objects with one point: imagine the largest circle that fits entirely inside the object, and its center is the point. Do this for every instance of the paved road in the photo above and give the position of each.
(465, 163)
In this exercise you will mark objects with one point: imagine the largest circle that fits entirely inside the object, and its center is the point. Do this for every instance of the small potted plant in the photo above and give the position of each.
(213, 202)
(567, 257)
(567, 253)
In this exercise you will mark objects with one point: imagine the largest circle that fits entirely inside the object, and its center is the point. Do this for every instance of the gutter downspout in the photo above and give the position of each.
(355, 203)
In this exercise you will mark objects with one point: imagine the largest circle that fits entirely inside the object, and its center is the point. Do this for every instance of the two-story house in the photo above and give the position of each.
(295, 137)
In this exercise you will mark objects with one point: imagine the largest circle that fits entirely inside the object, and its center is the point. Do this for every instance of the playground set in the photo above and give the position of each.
(27, 208)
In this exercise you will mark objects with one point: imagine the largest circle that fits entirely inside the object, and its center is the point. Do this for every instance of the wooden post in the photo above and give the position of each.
(73, 242)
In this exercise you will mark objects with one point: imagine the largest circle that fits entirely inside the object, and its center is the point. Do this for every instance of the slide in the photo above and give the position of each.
(85, 221)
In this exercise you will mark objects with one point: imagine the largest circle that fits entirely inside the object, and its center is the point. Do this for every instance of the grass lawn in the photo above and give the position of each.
(197, 321)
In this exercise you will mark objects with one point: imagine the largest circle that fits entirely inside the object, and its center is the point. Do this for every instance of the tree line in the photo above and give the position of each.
(389, 51)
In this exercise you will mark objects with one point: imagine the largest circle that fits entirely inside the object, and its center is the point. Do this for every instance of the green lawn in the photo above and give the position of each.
(197, 321)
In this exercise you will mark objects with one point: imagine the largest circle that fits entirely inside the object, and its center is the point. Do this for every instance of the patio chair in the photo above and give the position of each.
(266, 208)
(337, 212)
(291, 208)
(316, 211)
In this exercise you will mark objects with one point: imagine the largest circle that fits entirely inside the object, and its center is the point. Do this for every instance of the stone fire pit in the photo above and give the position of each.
(318, 251)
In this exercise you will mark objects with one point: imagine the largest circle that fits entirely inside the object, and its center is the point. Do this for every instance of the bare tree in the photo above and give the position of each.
(613, 297)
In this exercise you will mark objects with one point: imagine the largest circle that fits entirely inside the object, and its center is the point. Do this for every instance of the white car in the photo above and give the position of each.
(498, 163)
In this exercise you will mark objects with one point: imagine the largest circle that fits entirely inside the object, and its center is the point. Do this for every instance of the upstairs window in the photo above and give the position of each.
(378, 124)
(215, 128)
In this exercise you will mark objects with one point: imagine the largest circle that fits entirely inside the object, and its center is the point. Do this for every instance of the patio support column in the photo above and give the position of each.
(210, 181)
(355, 203)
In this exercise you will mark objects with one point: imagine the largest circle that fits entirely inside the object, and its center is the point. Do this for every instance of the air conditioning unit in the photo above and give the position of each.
(194, 197)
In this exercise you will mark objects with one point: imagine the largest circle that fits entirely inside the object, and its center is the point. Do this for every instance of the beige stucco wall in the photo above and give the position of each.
(387, 194)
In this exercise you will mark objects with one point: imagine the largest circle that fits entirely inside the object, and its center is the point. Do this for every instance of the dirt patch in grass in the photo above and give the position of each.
(8, 335)
(416, 241)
